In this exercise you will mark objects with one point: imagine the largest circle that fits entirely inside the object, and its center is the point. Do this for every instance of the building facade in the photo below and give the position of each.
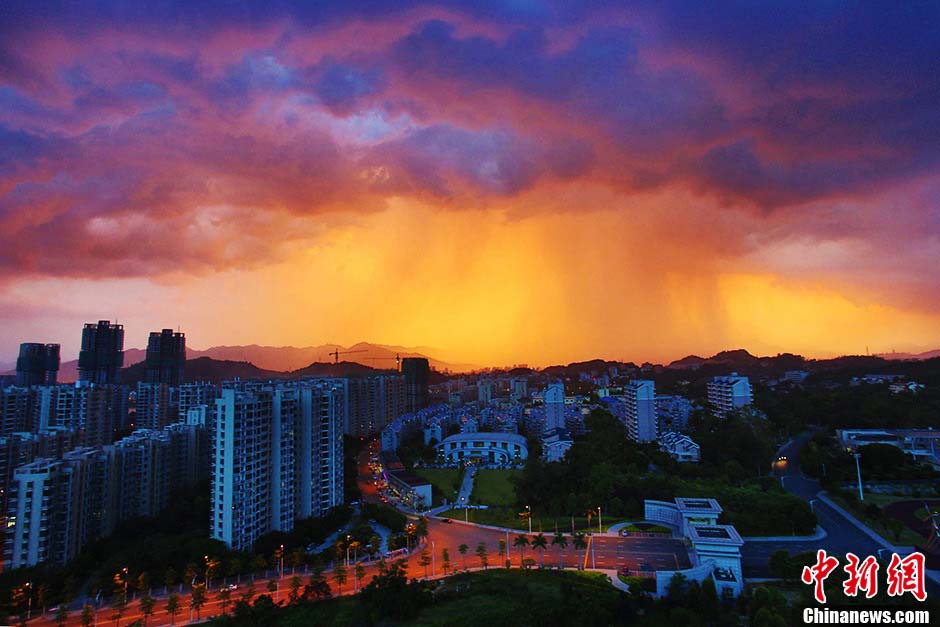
(102, 355)
(277, 456)
(37, 364)
(728, 393)
(639, 397)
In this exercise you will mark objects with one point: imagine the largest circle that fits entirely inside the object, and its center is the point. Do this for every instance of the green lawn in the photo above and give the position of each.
(445, 482)
(907, 538)
(494, 487)
(509, 517)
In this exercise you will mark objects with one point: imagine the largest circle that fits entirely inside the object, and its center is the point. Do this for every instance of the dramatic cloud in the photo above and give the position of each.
(688, 150)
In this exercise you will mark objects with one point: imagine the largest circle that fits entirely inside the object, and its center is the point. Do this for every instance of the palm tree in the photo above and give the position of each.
(147, 604)
(463, 548)
(62, 615)
(225, 597)
(482, 554)
(88, 615)
(579, 545)
(445, 559)
(502, 552)
(522, 542)
(339, 576)
(541, 543)
(198, 598)
(561, 542)
(173, 606)
(359, 571)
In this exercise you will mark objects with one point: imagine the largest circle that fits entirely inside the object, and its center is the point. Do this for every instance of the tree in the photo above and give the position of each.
(272, 585)
(119, 606)
(198, 598)
(42, 593)
(258, 563)
(360, 572)
(425, 560)
(561, 542)
(61, 615)
(147, 605)
(462, 549)
(173, 606)
(170, 577)
(339, 576)
(522, 542)
(579, 545)
(540, 542)
(317, 587)
(212, 567)
(293, 595)
(143, 582)
(503, 553)
(296, 558)
(225, 597)
(482, 554)
(88, 615)
(445, 560)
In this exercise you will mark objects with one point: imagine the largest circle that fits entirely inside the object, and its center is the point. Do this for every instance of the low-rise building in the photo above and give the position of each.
(680, 446)
(483, 448)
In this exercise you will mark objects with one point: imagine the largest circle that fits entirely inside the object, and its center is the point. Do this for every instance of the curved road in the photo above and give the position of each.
(843, 535)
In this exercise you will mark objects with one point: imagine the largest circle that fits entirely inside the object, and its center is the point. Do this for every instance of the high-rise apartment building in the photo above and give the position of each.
(152, 406)
(727, 393)
(166, 357)
(37, 364)
(639, 397)
(102, 354)
(372, 402)
(417, 375)
(277, 456)
(554, 403)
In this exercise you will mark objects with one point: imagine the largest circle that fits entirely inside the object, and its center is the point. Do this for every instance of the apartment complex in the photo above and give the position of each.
(727, 393)
(277, 455)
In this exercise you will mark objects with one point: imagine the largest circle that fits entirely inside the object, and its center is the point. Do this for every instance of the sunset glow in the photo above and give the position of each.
(526, 185)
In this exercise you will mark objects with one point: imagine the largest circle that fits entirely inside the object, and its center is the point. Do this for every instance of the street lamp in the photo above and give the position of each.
(529, 516)
(281, 565)
(600, 520)
(124, 570)
(858, 470)
(348, 537)
(29, 600)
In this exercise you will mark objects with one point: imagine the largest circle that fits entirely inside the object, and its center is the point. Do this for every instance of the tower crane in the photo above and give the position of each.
(335, 354)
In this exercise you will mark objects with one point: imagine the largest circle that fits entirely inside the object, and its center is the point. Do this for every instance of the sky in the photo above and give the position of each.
(505, 182)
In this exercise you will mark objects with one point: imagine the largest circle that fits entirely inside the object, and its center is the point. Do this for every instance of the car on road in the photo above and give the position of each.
(446, 521)
(625, 571)
(231, 586)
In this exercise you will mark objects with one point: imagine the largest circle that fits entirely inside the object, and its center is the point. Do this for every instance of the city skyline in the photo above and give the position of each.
(508, 184)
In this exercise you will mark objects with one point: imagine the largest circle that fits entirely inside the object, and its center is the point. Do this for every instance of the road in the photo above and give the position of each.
(843, 536)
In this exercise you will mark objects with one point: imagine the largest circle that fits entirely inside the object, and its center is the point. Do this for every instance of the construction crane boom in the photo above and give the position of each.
(335, 354)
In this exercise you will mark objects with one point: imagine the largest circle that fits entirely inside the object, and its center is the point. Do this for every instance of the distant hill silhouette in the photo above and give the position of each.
(288, 358)
(207, 369)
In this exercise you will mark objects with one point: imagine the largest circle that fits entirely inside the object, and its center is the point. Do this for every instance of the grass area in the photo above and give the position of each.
(647, 529)
(494, 487)
(445, 482)
(907, 537)
(509, 517)
(495, 598)
(643, 583)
